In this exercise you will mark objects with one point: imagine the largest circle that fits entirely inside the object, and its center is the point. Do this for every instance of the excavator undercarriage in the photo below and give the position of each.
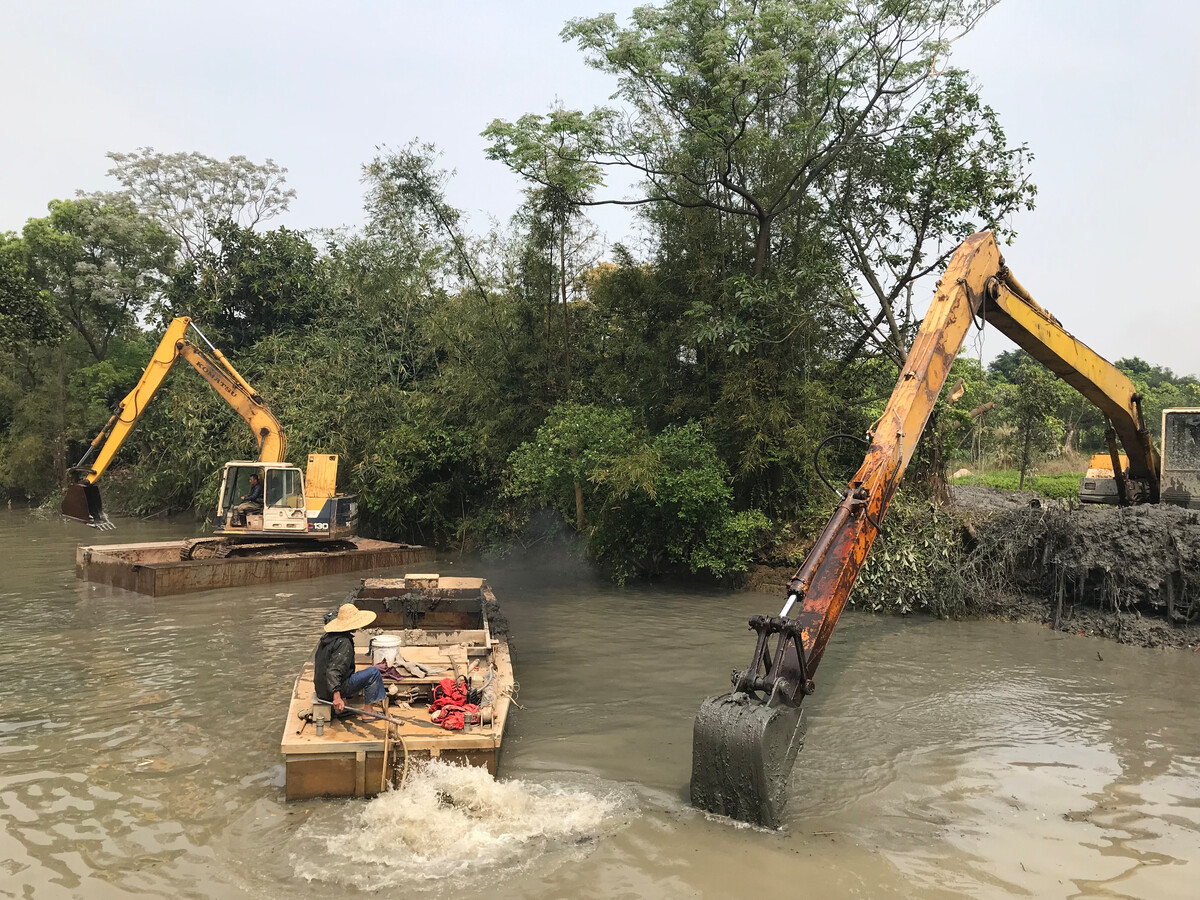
(224, 548)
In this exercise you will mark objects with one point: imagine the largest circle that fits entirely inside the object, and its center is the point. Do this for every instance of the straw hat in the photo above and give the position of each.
(350, 617)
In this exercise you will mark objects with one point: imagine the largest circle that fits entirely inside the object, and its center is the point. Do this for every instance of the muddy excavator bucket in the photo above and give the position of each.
(742, 755)
(82, 501)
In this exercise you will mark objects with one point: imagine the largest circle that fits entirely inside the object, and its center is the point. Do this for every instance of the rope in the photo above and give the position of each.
(387, 741)
(511, 694)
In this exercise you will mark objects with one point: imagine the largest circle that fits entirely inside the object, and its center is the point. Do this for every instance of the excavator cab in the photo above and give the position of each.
(294, 503)
(1181, 457)
(279, 509)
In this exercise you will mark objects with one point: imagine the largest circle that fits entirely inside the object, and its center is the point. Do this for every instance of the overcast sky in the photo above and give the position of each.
(1104, 92)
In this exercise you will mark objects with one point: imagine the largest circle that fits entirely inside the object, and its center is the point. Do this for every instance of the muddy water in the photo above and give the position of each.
(138, 753)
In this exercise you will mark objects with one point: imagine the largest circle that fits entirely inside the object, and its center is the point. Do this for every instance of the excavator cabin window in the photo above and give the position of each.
(284, 489)
(237, 484)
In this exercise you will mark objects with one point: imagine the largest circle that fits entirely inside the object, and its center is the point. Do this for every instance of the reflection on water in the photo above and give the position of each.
(139, 752)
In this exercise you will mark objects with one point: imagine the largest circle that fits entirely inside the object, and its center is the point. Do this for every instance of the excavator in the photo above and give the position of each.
(745, 742)
(294, 507)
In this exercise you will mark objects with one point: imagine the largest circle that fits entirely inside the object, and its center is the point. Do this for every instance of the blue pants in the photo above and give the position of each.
(369, 681)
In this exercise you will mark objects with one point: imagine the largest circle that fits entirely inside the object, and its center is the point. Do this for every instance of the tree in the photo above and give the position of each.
(746, 106)
(28, 318)
(553, 153)
(251, 285)
(651, 503)
(902, 202)
(1030, 409)
(1160, 389)
(103, 263)
(190, 193)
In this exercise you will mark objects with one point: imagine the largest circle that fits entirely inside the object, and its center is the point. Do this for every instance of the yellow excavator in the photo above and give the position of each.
(287, 505)
(745, 742)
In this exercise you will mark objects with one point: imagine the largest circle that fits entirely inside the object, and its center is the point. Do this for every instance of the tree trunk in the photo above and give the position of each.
(579, 507)
(1025, 454)
(562, 264)
(60, 444)
(762, 246)
(939, 486)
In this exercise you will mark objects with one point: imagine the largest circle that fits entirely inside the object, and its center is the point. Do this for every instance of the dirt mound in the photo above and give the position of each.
(1130, 574)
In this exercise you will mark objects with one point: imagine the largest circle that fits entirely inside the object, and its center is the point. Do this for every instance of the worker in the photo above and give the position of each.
(334, 677)
(252, 500)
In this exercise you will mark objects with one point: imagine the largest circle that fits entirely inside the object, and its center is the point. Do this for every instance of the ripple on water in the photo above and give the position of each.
(457, 822)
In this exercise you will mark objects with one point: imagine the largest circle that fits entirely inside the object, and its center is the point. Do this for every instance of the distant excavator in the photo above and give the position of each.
(745, 742)
(295, 506)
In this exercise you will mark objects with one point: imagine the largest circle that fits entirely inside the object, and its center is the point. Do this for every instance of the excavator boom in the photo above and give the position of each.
(745, 743)
(81, 500)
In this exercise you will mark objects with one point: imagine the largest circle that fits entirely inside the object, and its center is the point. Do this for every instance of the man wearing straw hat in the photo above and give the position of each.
(334, 677)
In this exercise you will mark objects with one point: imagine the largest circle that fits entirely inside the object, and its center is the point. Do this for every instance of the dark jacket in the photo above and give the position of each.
(255, 494)
(334, 663)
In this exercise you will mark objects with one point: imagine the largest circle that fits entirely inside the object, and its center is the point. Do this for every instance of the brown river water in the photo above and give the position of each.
(139, 751)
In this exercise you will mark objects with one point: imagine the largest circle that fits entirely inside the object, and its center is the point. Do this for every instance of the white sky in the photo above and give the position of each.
(1105, 92)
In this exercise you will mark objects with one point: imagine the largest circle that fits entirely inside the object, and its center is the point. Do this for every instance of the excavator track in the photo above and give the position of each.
(224, 548)
(199, 548)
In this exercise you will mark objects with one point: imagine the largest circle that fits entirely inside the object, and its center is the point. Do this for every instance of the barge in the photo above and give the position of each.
(428, 629)
(157, 569)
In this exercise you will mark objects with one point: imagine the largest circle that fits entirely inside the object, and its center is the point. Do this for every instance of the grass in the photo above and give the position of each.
(1064, 486)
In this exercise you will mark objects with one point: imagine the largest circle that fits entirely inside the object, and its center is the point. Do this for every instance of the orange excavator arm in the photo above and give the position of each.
(82, 499)
(744, 743)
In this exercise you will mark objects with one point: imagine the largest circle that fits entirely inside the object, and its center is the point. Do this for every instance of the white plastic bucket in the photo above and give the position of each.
(385, 648)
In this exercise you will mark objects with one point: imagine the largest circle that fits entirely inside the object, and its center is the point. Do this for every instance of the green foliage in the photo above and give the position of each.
(28, 318)
(251, 286)
(915, 563)
(1058, 487)
(799, 167)
(1032, 402)
(102, 262)
(1160, 389)
(649, 503)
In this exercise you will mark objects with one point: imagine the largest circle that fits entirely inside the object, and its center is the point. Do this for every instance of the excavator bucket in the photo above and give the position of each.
(742, 755)
(82, 501)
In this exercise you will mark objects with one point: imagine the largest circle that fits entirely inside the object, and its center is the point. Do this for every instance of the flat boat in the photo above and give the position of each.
(445, 628)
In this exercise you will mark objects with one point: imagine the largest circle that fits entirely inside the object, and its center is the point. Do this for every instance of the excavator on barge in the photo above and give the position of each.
(745, 742)
(297, 508)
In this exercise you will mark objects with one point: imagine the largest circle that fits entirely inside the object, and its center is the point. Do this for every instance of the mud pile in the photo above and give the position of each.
(1131, 574)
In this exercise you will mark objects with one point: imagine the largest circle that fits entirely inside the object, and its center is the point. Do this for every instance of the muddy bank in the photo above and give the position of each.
(1130, 575)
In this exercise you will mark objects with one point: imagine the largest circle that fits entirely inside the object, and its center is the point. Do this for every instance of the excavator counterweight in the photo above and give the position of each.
(745, 742)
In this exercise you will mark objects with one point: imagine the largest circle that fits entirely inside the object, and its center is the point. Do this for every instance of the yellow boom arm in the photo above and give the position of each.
(216, 370)
(737, 741)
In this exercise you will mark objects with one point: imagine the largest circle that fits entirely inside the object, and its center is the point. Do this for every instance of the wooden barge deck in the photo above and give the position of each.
(156, 569)
(447, 625)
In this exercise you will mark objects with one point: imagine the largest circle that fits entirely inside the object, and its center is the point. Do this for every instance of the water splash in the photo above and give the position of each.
(457, 822)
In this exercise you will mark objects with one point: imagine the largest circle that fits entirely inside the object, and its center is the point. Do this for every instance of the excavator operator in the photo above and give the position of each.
(252, 500)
